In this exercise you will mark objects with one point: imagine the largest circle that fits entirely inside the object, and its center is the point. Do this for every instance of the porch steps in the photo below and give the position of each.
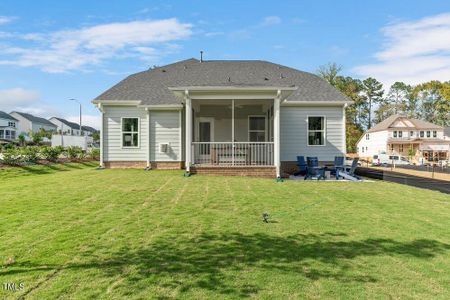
(256, 171)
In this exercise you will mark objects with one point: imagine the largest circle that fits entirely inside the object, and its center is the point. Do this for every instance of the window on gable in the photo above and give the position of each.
(400, 134)
(316, 131)
(367, 136)
(395, 134)
(11, 124)
(411, 133)
(130, 132)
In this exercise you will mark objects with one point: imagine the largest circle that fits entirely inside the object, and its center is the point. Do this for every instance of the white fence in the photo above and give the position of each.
(72, 140)
(233, 154)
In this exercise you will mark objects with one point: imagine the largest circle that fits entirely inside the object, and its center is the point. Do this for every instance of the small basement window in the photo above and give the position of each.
(316, 131)
(130, 132)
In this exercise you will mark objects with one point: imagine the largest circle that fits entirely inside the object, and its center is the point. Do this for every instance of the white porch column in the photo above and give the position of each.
(276, 132)
(232, 132)
(188, 130)
(148, 138)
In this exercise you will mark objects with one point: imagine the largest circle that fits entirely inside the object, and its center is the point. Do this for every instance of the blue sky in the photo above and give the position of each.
(51, 51)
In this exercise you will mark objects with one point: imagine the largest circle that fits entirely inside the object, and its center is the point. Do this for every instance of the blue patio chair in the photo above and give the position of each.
(301, 164)
(338, 166)
(313, 169)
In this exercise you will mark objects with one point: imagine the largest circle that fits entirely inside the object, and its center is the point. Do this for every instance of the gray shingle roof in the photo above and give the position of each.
(152, 86)
(35, 119)
(89, 128)
(418, 124)
(4, 115)
(71, 125)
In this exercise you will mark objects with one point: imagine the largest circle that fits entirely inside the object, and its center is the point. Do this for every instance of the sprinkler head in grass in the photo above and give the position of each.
(265, 217)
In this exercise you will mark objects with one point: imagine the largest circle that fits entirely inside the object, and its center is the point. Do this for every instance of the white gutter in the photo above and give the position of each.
(117, 102)
(227, 88)
(315, 103)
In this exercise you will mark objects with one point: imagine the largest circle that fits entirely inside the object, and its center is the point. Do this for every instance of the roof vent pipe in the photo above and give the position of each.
(201, 56)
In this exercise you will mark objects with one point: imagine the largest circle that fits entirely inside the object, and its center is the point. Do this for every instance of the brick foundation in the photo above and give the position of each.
(125, 164)
(268, 172)
(163, 165)
(167, 165)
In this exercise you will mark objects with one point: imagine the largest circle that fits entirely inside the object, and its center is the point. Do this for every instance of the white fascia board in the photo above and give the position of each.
(315, 103)
(231, 88)
(117, 102)
(162, 107)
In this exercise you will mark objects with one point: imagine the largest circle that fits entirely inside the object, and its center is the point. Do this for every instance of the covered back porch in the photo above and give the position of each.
(233, 127)
(230, 132)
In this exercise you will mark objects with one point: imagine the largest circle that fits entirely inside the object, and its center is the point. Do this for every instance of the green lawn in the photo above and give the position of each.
(76, 232)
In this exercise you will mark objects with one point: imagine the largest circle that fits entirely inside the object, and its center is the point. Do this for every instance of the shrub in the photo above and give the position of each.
(30, 154)
(74, 152)
(51, 153)
(12, 156)
(94, 153)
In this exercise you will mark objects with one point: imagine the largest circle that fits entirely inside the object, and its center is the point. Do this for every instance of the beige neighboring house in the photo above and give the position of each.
(398, 134)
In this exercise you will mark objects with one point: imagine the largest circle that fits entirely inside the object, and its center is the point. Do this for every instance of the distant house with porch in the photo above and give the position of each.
(221, 117)
(8, 126)
(399, 135)
(30, 123)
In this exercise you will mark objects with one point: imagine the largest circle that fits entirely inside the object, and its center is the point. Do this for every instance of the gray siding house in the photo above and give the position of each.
(29, 123)
(228, 117)
(8, 126)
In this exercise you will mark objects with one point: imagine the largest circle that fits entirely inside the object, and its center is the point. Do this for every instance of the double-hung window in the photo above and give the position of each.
(11, 124)
(257, 128)
(316, 131)
(130, 132)
(428, 134)
(434, 133)
(395, 134)
(421, 134)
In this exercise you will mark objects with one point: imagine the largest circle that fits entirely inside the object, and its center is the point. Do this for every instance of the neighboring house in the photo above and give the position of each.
(399, 135)
(29, 123)
(65, 127)
(233, 117)
(8, 126)
(88, 130)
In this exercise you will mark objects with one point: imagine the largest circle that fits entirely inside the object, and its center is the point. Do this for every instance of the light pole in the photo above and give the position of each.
(80, 112)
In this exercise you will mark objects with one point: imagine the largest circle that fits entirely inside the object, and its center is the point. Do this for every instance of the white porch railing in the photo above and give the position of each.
(233, 154)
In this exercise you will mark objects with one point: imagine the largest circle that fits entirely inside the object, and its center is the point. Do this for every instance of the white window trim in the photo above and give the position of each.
(324, 130)
(138, 132)
(248, 127)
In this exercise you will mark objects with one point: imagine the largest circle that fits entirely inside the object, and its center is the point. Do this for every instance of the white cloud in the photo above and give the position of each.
(68, 50)
(414, 52)
(6, 20)
(14, 98)
(271, 20)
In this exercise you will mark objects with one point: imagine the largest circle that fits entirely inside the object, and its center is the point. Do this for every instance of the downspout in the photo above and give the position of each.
(100, 108)
(148, 167)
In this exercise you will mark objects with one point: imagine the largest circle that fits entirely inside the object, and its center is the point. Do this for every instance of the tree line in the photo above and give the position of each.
(372, 103)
